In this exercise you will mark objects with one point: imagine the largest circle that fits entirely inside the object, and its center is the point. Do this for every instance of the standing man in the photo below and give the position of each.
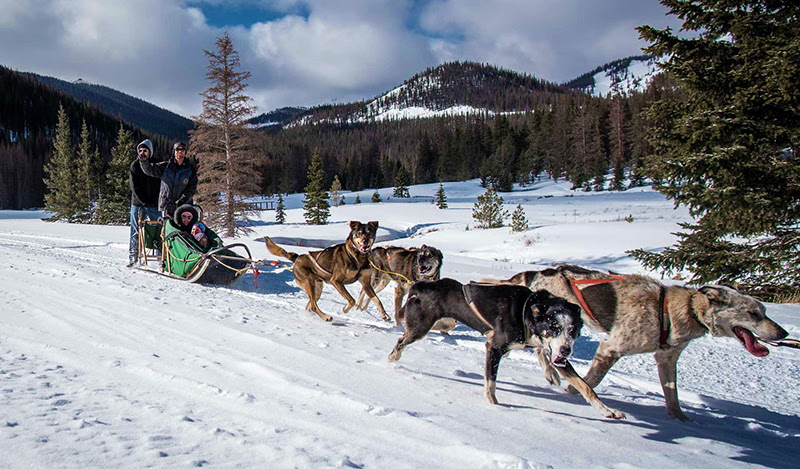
(178, 179)
(144, 198)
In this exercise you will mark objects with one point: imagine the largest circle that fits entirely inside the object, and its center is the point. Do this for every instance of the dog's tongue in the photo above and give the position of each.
(750, 343)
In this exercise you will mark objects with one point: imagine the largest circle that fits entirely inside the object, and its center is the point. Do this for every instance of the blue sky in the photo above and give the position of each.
(245, 13)
(309, 52)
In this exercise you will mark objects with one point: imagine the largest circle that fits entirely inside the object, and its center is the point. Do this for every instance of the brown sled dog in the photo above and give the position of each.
(339, 265)
(641, 315)
(404, 266)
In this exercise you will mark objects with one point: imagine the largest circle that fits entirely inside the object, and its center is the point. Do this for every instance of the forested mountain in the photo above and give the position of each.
(628, 75)
(135, 111)
(463, 120)
(28, 116)
(457, 121)
(278, 116)
(454, 88)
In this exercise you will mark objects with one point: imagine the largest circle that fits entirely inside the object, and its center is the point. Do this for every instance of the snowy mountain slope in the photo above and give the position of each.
(102, 366)
(622, 76)
(450, 89)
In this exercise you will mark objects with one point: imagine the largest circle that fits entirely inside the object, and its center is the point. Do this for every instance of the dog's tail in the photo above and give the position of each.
(518, 279)
(276, 250)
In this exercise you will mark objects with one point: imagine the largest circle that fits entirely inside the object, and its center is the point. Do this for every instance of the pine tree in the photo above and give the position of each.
(618, 140)
(114, 207)
(441, 198)
(85, 175)
(280, 210)
(64, 197)
(224, 144)
(316, 208)
(376, 198)
(401, 184)
(488, 210)
(729, 150)
(336, 192)
(518, 221)
(358, 199)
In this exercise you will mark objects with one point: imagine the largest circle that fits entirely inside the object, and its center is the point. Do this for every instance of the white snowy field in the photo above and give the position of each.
(104, 366)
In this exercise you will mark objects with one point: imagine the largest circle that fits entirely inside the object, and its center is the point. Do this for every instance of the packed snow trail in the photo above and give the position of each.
(103, 366)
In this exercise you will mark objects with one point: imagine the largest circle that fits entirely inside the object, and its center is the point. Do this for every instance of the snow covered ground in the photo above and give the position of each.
(104, 366)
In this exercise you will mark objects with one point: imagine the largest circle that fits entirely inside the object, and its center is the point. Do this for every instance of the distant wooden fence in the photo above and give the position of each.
(264, 205)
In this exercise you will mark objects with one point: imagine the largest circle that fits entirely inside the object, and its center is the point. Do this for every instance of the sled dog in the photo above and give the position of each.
(512, 317)
(641, 315)
(404, 266)
(339, 265)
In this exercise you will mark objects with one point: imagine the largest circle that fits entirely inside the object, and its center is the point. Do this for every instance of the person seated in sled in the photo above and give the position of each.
(187, 220)
(199, 234)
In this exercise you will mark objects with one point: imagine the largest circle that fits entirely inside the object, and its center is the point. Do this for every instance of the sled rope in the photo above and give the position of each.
(792, 343)
(389, 272)
(238, 271)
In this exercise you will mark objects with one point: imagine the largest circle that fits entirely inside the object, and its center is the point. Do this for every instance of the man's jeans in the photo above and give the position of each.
(152, 213)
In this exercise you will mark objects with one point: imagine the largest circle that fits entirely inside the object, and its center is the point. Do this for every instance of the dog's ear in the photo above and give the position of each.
(533, 301)
(373, 224)
(354, 224)
(713, 293)
(423, 247)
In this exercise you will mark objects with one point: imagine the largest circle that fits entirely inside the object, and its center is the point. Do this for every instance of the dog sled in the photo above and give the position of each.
(168, 247)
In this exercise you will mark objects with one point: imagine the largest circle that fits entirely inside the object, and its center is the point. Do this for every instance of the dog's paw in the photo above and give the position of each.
(571, 389)
(679, 415)
(552, 377)
(614, 414)
(394, 356)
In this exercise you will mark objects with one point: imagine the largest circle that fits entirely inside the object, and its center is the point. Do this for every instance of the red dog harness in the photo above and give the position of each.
(662, 312)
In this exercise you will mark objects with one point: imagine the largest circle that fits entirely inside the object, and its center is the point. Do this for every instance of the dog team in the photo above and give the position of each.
(541, 310)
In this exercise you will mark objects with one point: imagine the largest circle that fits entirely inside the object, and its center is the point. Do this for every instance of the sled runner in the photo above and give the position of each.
(184, 258)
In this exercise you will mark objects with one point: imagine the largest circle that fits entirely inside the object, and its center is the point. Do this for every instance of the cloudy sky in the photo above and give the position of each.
(309, 52)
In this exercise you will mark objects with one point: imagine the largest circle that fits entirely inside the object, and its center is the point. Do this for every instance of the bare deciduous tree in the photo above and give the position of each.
(223, 143)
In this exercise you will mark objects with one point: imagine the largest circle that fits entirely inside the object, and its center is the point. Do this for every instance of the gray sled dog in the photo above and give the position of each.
(641, 315)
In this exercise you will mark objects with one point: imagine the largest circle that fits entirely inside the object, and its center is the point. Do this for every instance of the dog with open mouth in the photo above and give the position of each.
(641, 315)
(404, 266)
(511, 317)
(339, 265)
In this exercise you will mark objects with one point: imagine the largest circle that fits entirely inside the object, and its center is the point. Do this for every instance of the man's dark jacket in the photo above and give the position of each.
(178, 183)
(144, 189)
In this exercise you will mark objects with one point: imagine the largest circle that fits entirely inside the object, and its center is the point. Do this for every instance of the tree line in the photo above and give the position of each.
(570, 135)
(28, 124)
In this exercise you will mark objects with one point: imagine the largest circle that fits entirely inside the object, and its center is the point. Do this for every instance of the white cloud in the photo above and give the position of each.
(344, 49)
(553, 39)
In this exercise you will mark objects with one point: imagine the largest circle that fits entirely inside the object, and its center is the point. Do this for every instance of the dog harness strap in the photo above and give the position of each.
(663, 319)
(314, 261)
(468, 297)
(573, 284)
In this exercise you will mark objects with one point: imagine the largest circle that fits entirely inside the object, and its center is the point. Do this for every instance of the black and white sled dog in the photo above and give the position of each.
(512, 317)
